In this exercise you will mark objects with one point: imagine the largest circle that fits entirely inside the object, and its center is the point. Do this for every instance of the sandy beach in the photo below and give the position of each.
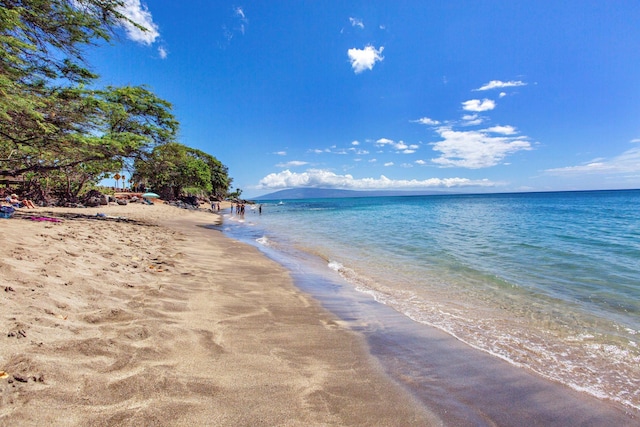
(146, 317)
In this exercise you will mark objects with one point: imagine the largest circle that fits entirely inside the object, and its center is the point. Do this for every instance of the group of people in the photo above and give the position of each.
(16, 202)
(239, 208)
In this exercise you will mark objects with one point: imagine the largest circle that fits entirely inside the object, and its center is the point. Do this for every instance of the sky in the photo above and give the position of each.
(459, 96)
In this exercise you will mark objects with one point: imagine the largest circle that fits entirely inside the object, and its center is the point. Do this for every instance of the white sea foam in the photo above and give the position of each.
(335, 266)
(264, 240)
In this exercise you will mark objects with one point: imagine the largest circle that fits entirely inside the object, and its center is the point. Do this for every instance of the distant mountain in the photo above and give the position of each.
(328, 193)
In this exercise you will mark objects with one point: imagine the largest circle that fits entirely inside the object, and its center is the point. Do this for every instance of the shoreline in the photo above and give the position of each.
(146, 316)
(463, 384)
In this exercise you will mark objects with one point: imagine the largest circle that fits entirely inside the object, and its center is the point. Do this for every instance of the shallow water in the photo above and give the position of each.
(546, 281)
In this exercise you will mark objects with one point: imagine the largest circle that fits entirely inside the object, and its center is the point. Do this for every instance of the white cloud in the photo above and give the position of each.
(239, 12)
(326, 179)
(355, 22)
(162, 52)
(475, 149)
(388, 164)
(504, 130)
(384, 141)
(293, 163)
(427, 121)
(496, 84)
(281, 153)
(421, 162)
(502, 94)
(364, 59)
(138, 13)
(358, 151)
(399, 146)
(472, 120)
(355, 142)
(478, 106)
(627, 162)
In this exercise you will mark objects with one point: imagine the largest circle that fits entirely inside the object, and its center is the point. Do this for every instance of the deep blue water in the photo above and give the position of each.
(547, 281)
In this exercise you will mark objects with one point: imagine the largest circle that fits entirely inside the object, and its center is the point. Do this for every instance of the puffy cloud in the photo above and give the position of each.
(421, 162)
(384, 141)
(478, 106)
(399, 146)
(505, 130)
(476, 149)
(138, 13)
(355, 142)
(627, 162)
(355, 22)
(162, 52)
(364, 59)
(472, 120)
(387, 164)
(326, 179)
(281, 153)
(497, 84)
(427, 121)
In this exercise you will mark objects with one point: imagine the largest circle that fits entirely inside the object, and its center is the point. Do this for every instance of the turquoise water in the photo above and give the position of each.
(547, 281)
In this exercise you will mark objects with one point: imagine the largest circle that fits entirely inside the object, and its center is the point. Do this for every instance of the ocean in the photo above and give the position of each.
(549, 282)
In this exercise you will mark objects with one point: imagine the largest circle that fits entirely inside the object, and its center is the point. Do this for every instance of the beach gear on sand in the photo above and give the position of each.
(44, 218)
(6, 211)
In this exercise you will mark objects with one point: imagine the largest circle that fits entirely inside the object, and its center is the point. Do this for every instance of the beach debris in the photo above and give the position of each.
(3, 375)
(9, 289)
(20, 378)
(20, 333)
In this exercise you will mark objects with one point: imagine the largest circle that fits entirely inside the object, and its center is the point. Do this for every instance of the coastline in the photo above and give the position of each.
(146, 316)
(464, 384)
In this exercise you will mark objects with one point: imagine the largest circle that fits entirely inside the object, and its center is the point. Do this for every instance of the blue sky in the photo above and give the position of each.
(471, 96)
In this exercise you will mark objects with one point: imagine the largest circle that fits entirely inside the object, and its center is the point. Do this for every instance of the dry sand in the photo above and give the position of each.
(156, 320)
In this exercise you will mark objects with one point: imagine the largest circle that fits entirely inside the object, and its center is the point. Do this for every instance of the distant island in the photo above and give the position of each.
(329, 193)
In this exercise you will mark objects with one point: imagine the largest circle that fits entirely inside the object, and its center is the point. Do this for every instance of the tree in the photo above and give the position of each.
(170, 168)
(41, 48)
(51, 125)
(62, 135)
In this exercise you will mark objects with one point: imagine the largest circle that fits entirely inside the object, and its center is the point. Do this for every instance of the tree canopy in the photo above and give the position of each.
(55, 126)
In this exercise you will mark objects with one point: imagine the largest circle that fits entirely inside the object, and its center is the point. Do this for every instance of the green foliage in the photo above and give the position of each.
(173, 167)
(63, 136)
